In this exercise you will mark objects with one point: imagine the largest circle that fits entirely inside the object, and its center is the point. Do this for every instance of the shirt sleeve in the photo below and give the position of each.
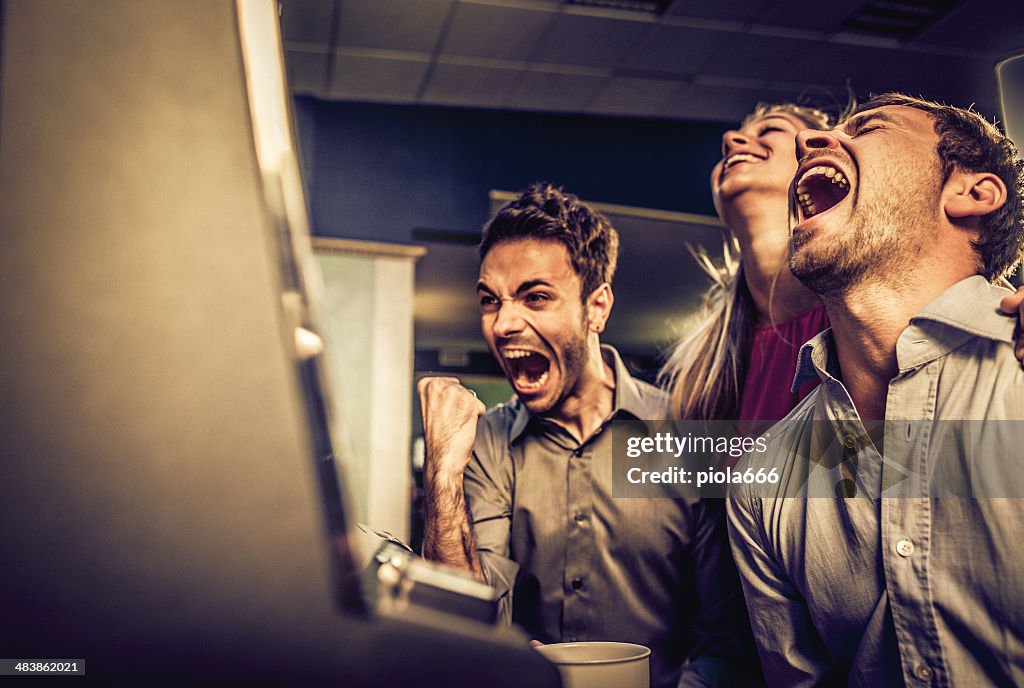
(487, 485)
(792, 653)
(723, 652)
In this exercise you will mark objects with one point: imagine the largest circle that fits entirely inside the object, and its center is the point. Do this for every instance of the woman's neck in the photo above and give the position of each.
(763, 236)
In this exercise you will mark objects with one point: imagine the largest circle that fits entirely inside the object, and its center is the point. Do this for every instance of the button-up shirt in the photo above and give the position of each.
(575, 564)
(914, 577)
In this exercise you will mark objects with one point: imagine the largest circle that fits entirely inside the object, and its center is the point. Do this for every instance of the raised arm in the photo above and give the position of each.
(450, 415)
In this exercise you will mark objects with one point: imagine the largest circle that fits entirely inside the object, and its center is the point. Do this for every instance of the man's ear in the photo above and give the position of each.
(973, 194)
(599, 307)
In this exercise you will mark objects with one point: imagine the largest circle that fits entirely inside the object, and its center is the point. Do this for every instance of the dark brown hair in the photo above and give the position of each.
(544, 211)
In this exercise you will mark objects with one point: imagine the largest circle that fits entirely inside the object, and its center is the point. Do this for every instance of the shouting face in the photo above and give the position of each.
(533, 319)
(865, 198)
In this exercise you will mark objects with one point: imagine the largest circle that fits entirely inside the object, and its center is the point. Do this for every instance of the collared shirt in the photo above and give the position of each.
(581, 565)
(911, 579)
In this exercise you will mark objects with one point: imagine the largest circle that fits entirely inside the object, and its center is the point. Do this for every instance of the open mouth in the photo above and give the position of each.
(819, 189)
(737, 158)
(528, 369)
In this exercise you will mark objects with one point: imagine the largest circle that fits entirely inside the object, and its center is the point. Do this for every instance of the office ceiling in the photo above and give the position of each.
(695, 60)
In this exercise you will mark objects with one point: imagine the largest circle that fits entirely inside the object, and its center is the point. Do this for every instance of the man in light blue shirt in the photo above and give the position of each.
(886, 553)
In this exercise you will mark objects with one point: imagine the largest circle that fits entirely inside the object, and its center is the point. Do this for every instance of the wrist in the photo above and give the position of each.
(444, 476)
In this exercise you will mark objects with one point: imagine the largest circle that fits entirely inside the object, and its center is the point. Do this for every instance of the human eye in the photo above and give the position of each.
(769, 129)
(488, 303)
(865, 126)
(537, 299)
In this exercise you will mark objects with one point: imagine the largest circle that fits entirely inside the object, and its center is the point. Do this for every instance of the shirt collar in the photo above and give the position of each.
(968, 308)
(816, 360)
(627, 396)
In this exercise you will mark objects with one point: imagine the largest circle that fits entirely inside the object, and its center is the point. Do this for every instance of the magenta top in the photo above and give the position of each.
(767, 393)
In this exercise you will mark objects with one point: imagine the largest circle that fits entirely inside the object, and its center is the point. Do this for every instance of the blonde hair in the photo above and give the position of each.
(705, 370)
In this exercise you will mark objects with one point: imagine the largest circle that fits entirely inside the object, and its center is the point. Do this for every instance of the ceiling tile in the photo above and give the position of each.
(592, 41)
(994, 28)
(807, 14)
(496, 32)
(458, 84)
(829, 65)
(702, 102)
(758, 57)
(642, 97)
(676, 49)
(307, 71)
(555, 92)
(307, 21)
(394, 25)
(731, 10)
(376, 79)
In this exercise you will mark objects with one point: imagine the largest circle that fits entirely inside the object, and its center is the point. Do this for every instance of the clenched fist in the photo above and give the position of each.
(450, 413)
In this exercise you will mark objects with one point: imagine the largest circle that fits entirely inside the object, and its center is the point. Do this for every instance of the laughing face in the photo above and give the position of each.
(759, 157)
(864, 199)
(534, 320)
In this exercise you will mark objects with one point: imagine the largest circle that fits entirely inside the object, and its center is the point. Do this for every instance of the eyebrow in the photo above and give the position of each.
(852, 126)
(525, 286)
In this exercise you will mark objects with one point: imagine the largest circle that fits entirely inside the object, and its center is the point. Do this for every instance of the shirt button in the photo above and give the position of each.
(923, 672)
(580, 518)
(577, 452)
(905, 548)
(577, 583)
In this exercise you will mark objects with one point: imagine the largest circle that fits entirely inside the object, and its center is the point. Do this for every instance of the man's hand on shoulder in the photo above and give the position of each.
(1014, 305)
(450, 414)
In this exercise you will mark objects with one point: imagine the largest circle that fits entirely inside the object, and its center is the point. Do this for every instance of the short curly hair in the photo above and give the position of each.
(969, 143)
(545, 211)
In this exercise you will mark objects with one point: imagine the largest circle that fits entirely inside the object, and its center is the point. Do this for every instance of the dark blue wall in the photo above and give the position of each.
(379, 171)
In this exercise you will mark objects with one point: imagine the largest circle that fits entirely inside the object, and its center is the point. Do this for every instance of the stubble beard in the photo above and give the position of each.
(575, 352)
(879, 245)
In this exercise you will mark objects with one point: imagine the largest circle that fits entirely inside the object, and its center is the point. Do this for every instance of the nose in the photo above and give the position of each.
(731, 139)
(812, 139)
(508, 322)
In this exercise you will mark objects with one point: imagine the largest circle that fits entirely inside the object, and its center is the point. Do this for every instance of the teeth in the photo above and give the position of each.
(536, 384)
(739, 157)
(824, 170)
(516, 353)
(803, 195)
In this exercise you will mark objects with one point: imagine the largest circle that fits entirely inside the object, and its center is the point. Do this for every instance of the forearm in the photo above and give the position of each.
(448, 535)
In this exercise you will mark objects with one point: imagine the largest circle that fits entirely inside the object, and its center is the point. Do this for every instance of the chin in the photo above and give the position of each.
(539, 405)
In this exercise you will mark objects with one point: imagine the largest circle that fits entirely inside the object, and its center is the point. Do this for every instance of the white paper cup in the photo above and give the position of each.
(600, 664)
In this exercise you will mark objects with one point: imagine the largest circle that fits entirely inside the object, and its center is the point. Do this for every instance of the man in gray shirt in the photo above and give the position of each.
(571, 562)
(885, 553)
